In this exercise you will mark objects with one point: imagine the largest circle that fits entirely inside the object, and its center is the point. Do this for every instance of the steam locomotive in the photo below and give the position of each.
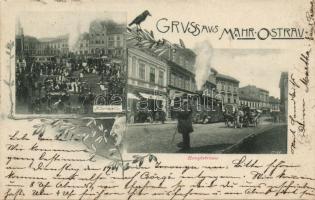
(206, 109)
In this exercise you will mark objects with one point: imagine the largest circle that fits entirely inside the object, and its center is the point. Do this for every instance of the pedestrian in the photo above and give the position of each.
(184, 125)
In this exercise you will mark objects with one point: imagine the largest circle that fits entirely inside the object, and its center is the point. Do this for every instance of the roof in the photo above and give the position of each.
(242, 96)
(51, 39)
(263, 90)
(116, 30)
(274, 100)
(226, 77)
(85, 36)
(178, 67)
(283, 77)
(46, 39)
(111, 26)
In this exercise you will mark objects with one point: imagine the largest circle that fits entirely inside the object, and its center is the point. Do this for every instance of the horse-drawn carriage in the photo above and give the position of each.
(233, 115)
(251, 116)
(241, 116)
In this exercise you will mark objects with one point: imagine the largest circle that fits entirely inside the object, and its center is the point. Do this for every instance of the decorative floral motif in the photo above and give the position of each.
(97, 138)
(10, 82)
(145, 39)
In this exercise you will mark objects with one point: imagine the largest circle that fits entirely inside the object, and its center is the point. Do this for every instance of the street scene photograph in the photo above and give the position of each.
(199, 99)
(70, 63)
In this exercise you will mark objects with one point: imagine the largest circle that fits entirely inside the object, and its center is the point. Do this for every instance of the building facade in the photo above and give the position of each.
(255, 97)
(227, 88)
(264, 99)
(53, 46)
(147, 83)
(274, 104)
(106, 38)
(82, 46)
(26, 45)
(250, 96)
(181, 77)
(283, 85)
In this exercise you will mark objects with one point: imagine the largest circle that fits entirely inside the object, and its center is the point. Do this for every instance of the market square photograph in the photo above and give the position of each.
(70, 63)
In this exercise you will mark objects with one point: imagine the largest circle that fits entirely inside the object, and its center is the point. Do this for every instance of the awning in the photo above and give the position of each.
(152, 96)
(132, 96)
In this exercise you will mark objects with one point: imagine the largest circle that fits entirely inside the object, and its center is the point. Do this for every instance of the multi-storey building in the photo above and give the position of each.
(249, 96)
(283, 85)
(181, 78)
(53, 46)
(106, 38)
(227, 87)
(26, 45)
(274, 104)
(147, 81)
(255, 97)
(264, 99)
(82, 46)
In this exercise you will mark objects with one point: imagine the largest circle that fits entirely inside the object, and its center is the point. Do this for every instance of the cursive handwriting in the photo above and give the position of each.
(49, 169)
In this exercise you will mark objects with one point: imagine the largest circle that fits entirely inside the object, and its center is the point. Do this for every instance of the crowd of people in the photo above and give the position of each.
(66, 85)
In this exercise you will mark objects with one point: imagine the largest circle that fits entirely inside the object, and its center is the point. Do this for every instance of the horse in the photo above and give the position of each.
(228, 118)
(236, 118)
(239, 118)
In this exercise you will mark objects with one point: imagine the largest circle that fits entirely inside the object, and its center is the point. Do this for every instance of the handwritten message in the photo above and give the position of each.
(49, 168)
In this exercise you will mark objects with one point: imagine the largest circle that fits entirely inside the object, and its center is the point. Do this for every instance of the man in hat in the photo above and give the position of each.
(184, 126)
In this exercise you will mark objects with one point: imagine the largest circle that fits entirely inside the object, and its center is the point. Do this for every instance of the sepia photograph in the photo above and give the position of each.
(161, 100)
(70, 63)
(194, 98)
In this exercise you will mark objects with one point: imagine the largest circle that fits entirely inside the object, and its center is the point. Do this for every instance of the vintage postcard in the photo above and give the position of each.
(162, 100)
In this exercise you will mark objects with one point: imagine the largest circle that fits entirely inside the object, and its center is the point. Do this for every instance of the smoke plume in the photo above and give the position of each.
(203, 63)
(74, 36)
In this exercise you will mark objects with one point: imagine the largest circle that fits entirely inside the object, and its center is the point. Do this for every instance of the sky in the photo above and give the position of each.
(261, 67)
(52, 24)
(254, 63)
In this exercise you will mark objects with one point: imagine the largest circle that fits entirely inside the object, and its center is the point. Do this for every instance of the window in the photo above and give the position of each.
(133, 66)
(182, 85)
(161, 77)
(187, 84)
(181, 60)
(176, 81)
(173, 79)
(152, 75)
(142, 71)
(118, 41)
(111, 41)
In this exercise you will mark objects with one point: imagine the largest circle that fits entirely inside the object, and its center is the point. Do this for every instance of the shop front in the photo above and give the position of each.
(146, 106)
